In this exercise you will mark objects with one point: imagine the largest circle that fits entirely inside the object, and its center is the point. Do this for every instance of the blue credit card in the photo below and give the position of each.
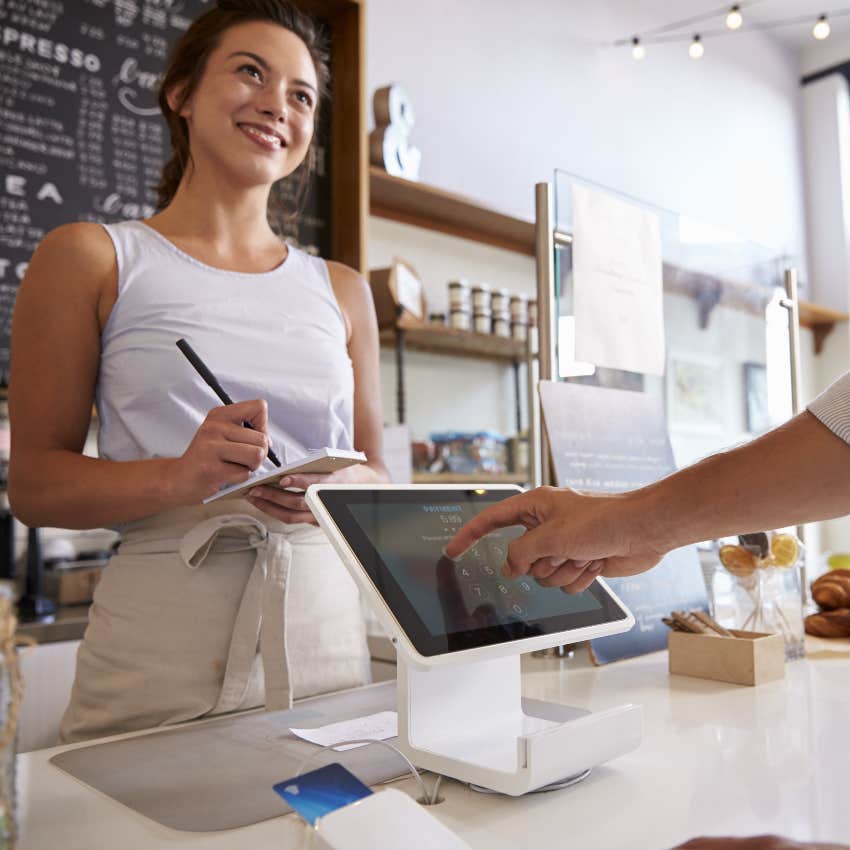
(322, 791)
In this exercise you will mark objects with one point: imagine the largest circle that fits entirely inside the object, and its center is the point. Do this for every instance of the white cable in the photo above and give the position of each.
(430, 799)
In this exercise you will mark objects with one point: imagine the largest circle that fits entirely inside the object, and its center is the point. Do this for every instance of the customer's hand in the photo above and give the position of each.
(571, 538)
(757, 842)
(222, 452)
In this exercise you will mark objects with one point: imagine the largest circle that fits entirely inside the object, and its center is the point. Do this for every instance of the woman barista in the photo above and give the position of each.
(204, 609)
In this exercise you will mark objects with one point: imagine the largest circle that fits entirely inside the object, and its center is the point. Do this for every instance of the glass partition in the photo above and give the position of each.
(727, 371)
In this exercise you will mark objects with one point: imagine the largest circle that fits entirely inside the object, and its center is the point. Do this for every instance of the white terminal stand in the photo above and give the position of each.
(469, 721)
(461, 714)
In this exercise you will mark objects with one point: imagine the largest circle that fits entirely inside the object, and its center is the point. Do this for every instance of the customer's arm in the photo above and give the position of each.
(756, 842)
(796, 473)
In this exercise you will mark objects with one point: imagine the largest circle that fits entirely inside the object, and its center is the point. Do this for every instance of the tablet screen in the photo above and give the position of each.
(446, 606)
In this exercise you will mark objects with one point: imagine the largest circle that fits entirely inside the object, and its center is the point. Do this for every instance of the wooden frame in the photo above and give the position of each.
(349, 192)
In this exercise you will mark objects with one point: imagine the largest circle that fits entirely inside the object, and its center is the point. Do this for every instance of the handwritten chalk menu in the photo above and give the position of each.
(81, 135)
(608, 441)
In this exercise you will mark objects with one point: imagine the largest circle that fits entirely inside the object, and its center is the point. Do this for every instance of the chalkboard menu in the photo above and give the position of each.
(81, 135)
(609, 441)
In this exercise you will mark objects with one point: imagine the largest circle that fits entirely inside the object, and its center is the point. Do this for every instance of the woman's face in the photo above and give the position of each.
(253, 111)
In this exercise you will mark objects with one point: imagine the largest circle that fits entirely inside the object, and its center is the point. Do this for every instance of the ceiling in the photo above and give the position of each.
(639, 16)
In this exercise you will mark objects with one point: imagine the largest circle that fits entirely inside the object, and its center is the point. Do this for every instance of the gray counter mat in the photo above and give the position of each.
(219, 775)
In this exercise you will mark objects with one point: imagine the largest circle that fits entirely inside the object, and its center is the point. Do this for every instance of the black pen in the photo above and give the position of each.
(214, 385)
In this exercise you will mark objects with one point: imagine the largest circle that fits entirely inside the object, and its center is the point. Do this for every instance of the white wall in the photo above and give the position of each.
(826, 122)
(824, 54)
(732, 338)
(505, 93)
(826, 127)
(449, 393)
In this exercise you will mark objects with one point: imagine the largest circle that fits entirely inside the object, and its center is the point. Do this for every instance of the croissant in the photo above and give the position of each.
(829, 623)
(832, 590)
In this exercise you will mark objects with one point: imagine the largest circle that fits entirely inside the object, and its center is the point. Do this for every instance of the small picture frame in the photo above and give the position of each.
(755, 398)
(694, 394)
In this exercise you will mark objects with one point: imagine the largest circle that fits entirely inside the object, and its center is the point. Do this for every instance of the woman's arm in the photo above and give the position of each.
(355, 300)
(64, 300)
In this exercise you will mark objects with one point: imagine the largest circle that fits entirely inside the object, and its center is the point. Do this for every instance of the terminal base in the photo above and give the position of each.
(469, 721)
(552, 786)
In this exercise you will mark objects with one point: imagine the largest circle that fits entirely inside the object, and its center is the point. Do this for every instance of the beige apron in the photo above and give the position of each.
(213, 609)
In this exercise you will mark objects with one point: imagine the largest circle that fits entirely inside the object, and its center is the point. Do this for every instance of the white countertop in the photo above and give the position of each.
(716, 759)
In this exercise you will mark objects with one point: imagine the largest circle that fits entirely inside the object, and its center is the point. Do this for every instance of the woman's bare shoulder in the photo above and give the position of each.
(354, 296)
(80, 252)
(79, 239)
(348, 280)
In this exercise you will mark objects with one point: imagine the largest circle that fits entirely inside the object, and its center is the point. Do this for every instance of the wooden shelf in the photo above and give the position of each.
(435, 209)
(439, 339)
(821, 321)
(481, 478)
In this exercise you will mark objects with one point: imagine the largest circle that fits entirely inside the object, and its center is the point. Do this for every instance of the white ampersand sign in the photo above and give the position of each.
(389, 144)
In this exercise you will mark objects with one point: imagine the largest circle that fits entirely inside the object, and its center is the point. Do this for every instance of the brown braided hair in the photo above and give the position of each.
(186, 67)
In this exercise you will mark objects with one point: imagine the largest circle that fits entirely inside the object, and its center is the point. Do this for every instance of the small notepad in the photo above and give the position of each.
(317, 461)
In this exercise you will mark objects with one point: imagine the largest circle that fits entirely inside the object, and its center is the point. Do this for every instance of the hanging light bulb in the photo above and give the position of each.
(696, 50)
(734, 19)
(638, 50)
(821, 29)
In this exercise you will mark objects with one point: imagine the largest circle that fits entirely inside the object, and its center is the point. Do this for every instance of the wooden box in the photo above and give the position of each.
(749, 658)
(74, 585)
(397, 292)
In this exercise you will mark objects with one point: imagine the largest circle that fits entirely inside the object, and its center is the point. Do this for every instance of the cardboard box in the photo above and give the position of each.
(398, 295)
(72, 586)
(749, 658)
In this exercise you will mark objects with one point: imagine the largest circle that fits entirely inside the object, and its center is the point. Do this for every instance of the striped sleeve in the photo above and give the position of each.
(832, 407)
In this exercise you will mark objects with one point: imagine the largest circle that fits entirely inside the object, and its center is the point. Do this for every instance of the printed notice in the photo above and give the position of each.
(617, 280)
(610, 441)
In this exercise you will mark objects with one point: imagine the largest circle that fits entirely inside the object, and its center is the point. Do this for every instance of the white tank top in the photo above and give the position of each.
(278, 335)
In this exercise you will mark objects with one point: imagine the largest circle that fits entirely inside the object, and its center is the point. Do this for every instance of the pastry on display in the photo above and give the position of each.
(829, 624)
(832, 593)
(832, 590)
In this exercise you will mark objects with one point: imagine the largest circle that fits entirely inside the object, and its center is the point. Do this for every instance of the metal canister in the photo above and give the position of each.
(481, 298)
(459, 295)
(461, 319)
(502, 325)
(519, 308)
(483, 322)
(500, 300)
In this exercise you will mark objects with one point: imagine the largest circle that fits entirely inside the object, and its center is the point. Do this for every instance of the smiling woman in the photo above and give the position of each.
(306, 59)
(195, 591)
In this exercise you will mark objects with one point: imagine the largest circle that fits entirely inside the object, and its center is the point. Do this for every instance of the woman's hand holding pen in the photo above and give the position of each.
(223, 451)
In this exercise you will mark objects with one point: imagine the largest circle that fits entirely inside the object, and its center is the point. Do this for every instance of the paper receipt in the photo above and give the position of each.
(378, 726)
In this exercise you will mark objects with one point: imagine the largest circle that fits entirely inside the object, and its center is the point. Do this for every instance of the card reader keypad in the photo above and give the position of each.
(479, 574)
